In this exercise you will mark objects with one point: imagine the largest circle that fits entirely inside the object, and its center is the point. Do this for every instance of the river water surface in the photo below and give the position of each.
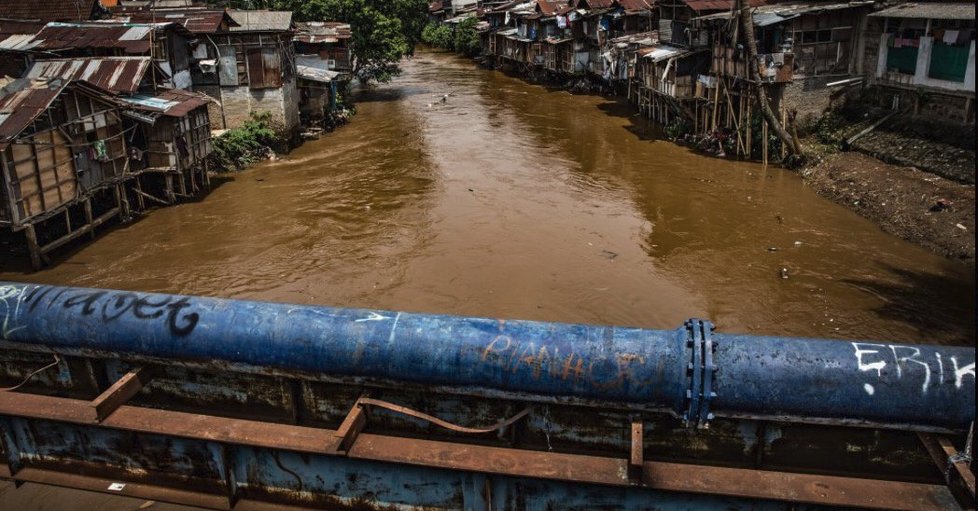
(512, 200)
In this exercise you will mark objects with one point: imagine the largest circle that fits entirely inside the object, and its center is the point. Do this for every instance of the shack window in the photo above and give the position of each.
(816, 36)
(264, 68)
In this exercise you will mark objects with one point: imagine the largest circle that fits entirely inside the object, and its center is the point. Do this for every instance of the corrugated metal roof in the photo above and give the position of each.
(950, 11)
(322, 32)
(596, 4)
(116, 74)
(316, 74)
(637, 6)
(48, 10)
(195, 21)
(174, 103)
(549, 7)
(19, 42)
(261, 21)
(23, 102)
(718, 5)
(662, 52)
(131, 38)
(766, 15)
(16, 27)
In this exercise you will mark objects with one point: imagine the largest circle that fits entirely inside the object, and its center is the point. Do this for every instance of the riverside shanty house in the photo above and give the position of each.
(63, 161)
(256, 70)
(86, 140)
(324, 63)
(924, 49)
(165, 43)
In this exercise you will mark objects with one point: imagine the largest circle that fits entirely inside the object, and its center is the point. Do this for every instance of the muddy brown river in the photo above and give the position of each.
(512, 200)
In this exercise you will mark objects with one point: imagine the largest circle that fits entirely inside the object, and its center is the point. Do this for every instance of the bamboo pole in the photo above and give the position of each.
(747, 19)
(730, 112)
(764, 144)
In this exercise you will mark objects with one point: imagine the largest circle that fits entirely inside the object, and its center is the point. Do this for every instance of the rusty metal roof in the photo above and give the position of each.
(261, 21)
(197, 21)
(636, 6)
(131, 38)
(773, 14)
(322, 31)
(48, 10)
(173, 103)
(718, 5)
(22, 102)
(18, 27)
(549, 7)
(115, 74)
(595, 4)
(934, 11)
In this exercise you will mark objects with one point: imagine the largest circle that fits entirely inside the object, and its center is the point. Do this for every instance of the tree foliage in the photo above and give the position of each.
(384, 31)
(466, 38)
(439, 35)
(461, 37)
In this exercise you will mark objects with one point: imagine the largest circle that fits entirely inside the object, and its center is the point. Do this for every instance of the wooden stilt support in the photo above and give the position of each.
(120, 392)
(170, 193)
(764, 144)
(139, 194)
(32, 247)
(88, 217)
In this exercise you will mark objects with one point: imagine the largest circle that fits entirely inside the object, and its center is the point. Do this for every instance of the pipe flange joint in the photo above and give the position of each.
(700, 370)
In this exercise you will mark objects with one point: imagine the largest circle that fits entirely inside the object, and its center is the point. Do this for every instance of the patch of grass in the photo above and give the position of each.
(244, 145)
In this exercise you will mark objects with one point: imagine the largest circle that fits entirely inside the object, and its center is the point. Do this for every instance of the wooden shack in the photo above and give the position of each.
(169, 149)
(63, 161)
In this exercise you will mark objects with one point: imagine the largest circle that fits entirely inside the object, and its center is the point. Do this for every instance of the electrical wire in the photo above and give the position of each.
(57, 360)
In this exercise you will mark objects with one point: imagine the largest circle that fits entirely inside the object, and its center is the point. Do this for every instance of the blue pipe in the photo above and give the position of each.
(690, 371)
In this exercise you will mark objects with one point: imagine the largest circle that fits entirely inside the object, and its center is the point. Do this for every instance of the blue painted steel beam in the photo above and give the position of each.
(690, 371)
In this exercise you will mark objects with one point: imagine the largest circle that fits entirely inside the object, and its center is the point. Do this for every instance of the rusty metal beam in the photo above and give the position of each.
(943, 452)
(120, 392)
(673, 477)
(351, 427)
(637, 458)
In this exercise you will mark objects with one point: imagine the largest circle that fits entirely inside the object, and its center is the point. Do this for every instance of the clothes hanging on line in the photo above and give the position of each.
(100, 151)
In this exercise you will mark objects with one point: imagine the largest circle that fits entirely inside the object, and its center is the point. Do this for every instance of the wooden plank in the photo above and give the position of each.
(75, 234)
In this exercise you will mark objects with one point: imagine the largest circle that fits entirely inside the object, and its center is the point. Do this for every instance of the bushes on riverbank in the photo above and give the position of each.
(460, 38)
(239, 147)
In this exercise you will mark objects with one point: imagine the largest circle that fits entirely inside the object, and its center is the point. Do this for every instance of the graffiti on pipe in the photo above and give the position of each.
(907, 360)
(108, 306)
(511, 356)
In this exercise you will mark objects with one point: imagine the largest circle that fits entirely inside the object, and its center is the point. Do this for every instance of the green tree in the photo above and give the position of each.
(439, 35)
(384, 31)
(466, 38)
